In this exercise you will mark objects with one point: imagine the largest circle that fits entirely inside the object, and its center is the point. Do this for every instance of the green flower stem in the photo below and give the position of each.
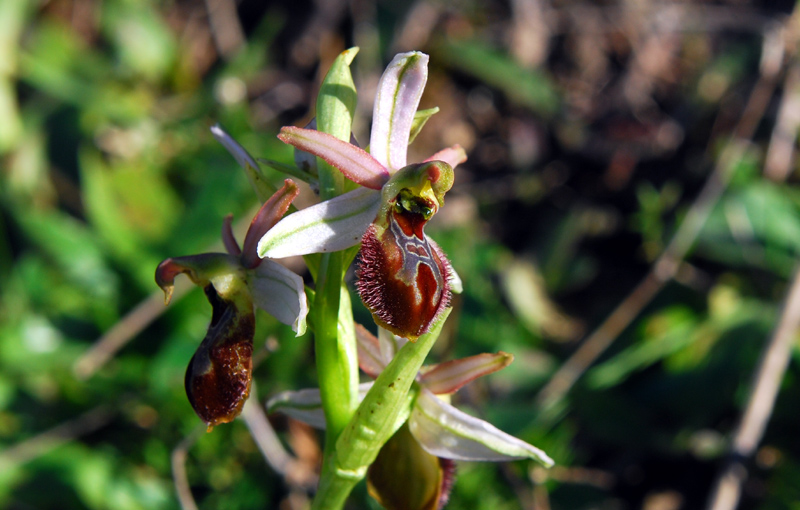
(384, 409)
(337, 359)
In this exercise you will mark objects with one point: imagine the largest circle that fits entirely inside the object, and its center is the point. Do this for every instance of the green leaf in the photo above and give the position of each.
(420, 119)
(143, 40)
(527, 87)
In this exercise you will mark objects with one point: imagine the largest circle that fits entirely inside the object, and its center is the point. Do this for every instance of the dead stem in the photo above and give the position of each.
(226, 29)
(763, 392)
(45, 442)
(178, 459)
(123, 331)
(265, 437)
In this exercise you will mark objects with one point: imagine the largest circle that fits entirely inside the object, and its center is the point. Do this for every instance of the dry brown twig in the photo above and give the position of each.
(123, 331)
(40, 444)
(226, 30)
(178, 460)
(763, 392)
(276, 455)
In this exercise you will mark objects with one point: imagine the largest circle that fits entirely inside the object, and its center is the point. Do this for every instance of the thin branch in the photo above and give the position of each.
(226, 30)
(668, 264)
(763, 393)
(45, 442)
(123, 331)
(178, 460)
(780, 156)
(264, 435)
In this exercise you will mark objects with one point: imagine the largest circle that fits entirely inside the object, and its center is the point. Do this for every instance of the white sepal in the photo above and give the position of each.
(329, 226)
(306, 405)
(446, 432)
(302, 405)
(281, 293)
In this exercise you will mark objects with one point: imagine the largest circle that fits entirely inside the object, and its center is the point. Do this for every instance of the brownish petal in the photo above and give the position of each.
(266, 218)
(228, 239)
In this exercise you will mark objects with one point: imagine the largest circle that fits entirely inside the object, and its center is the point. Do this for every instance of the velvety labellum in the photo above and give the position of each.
(402, 278)
(219, 374)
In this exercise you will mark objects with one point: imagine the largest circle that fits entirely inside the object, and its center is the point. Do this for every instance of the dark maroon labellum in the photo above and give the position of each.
(406, 477)
(218, 377)
(403, 278)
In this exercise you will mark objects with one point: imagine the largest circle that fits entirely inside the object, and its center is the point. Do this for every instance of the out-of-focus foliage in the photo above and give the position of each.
(590, 130)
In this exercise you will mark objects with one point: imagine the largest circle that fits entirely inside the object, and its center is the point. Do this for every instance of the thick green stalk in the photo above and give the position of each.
(384, 409)
(337, 360)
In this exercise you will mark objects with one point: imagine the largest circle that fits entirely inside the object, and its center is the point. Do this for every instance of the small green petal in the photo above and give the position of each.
(420, 119)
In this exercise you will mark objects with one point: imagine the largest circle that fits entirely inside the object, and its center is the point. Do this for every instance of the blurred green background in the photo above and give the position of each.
(591, 130)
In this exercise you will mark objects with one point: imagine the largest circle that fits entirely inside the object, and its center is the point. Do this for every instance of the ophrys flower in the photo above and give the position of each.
(218, 377)
(403, 276)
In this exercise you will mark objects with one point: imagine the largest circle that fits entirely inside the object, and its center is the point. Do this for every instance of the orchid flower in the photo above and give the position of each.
(440, 432)
(218, 377)
(404, 277)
